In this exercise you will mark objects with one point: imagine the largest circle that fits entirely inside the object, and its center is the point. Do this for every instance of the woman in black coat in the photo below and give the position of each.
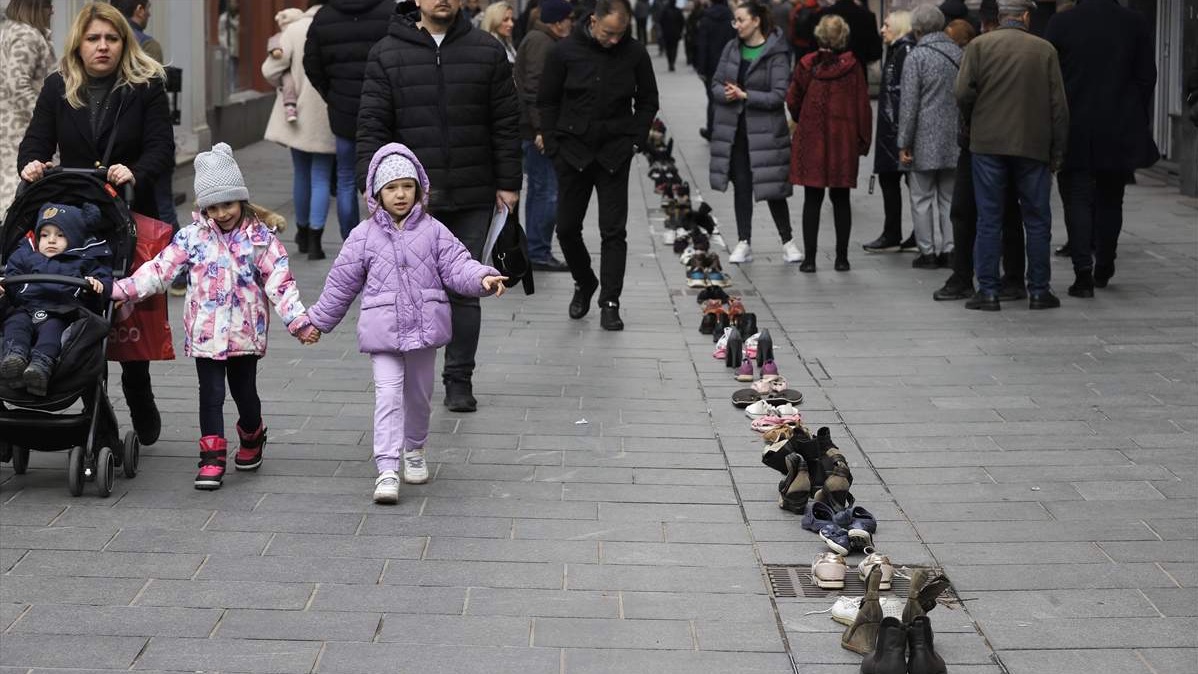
(670, 23)
(107, 107)
(896, 33)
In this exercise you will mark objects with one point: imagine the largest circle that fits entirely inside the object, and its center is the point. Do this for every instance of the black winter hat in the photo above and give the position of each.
(75, 222)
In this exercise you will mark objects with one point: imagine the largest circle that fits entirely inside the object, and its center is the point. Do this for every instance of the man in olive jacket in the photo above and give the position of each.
(444, 88)
(1010, 91)
(598, 99)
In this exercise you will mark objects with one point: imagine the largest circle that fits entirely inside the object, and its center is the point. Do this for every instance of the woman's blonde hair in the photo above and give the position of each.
(493, 17)
(135, 67)
(832, 33)
(36, 13)
(900, 23)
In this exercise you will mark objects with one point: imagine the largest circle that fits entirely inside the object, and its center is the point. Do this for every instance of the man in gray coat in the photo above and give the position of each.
(927, 134)
(1011, 93)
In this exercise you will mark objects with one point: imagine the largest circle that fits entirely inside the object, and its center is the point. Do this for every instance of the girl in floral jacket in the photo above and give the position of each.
(401, 260)
(236, 265)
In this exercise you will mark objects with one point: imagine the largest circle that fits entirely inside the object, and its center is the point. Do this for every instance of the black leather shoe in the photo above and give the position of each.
(925, 261)
(1044, 300)
(908, 245)
(1083, 284)
(807, 266)
(609, 317)
(551, 264)
(1064, 250)
(1011, 292)
(459, 396)
(881, 245)
(983, 302)
(143, 412)
(953, 289)
(841, 264)
(580, 304)
(1103, 274)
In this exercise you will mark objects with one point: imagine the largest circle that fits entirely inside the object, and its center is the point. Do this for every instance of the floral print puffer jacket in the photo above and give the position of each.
(232, 276)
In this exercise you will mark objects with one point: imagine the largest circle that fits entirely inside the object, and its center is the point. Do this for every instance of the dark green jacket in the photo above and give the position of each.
(1011, 94)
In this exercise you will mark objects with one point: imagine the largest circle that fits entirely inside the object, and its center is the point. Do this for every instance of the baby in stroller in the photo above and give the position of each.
(61, 243)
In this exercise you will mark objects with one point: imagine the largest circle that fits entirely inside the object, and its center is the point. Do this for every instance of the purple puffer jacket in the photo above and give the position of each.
(402, 275)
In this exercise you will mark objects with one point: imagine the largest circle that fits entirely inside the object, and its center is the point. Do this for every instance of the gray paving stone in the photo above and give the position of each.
(1174, 602)
(677, 554)
(601, 633)
(1124, 509)
(167, 540)
(635, 493)
(1092, 633)
(343, 658)
(28, 515)
(1016, 553)
(298, 625)
(134, 518)
(65, 590)
(706, 532)
(332, 503)
(719, 635)
(439, 630)
(120, 621)
(55, 538)
(75, 651)
(359, 547)
(1043, 532)
(309, 569)
(306, 523)
(633, 512)
(1062, 604)
(543, 603)
(107, 564)
(480, 507)
(1169, 659)
(586, 530)
(234, 655)
(486, 549)
(9, 613)
(389, 599)
(1058, 577)
(599, 661)
(226, 594)
(729, 580)
(696, 606)
(539, 575)
(1072, 661)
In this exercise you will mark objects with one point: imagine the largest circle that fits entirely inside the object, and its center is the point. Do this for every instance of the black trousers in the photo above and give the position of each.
(642, 31)
(1093, 214)
(44, 336)
(466, 315)
(964, 215)
(671, 51)
(710, 104)
(891, 183)
(741, 174)
(573, 196)
(842, 218)
(242, 374)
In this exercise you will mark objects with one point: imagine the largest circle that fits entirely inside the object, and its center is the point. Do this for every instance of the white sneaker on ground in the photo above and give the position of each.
(791, 252)
(742, 253)
(668, 235)
(415, 470)
(844, 611)
(386, 487)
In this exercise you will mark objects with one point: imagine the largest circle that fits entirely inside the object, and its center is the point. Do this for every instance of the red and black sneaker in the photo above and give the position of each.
(213, 450)
(249, 455)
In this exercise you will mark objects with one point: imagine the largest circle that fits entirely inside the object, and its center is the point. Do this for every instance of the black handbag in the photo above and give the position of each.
(510, 255)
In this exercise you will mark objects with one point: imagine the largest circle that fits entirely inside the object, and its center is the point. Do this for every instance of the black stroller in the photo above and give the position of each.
(38, 422)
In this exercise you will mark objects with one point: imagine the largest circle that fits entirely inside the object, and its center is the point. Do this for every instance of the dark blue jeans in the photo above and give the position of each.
(347, 191)
(313, 176)
(540, 204)
(1033, 182)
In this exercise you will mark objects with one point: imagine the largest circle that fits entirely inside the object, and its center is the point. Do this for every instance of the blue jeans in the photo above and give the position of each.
(310, 187)
(540, 204)
(347, 191)
(1033, 183)
(164, 196)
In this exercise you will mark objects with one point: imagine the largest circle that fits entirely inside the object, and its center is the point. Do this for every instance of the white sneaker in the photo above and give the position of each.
(742, 253)
(844, 611)
(415, 471)
(791, 252)
(668, 236)
(386, 487)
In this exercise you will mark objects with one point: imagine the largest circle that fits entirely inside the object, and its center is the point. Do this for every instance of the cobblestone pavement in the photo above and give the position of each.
(605, 510)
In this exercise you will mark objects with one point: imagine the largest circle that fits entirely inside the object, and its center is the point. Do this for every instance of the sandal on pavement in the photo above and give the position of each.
(745, 397)
(761, 409)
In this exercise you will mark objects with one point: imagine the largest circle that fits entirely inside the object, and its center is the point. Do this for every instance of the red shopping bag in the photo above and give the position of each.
(142, 331)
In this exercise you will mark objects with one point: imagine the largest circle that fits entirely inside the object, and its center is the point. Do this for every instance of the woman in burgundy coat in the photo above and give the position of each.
(829, 101)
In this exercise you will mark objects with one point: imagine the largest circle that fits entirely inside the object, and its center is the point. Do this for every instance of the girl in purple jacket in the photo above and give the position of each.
(401, 260)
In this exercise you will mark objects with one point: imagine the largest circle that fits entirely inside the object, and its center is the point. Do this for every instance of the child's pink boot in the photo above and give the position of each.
(249, 455)
(213, 450)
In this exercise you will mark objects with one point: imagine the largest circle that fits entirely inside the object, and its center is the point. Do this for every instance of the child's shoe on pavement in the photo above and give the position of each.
(415, 470)
(249, 455)
(213, 450)
(386, 488)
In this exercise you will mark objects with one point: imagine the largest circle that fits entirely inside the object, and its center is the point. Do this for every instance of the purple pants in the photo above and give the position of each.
(403, 392)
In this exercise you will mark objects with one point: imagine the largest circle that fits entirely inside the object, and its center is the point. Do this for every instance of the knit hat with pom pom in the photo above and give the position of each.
(218, 178)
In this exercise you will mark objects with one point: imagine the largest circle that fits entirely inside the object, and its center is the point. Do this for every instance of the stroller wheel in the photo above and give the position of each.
(105, 469)
(20, 459)
(75, 471)
(131, 454)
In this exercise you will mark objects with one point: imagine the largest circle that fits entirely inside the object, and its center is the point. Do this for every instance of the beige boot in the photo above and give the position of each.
(913, 609)
(862, 635)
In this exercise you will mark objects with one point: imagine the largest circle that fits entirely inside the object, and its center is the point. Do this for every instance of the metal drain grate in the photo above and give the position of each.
(796, 581)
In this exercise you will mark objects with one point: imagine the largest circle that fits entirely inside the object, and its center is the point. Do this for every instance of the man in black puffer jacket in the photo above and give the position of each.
(597, 101)
(339, 41)
(445, 89)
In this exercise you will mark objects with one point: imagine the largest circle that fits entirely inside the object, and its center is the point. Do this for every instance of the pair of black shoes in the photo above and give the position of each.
(32, 369)
(307, 242)
(983, 301)
(904, 649)
(609, 312)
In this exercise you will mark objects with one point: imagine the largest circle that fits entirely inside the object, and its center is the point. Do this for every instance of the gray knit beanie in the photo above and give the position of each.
(1015, 6)
(393, 167)
(218, 179)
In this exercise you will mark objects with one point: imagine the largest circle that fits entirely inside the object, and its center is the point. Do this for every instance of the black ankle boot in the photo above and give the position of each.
(609, 317)
(14, 361)
(37, 373)
(143, 412)
(315, 251)
(459, 396)
(580, 303)
(890, 652)
(1083, 284)
(301, 239)
(923, 658)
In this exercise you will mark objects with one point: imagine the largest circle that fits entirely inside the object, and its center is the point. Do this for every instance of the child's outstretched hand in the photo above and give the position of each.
(495, 283)
(97, 287)
(308, 335)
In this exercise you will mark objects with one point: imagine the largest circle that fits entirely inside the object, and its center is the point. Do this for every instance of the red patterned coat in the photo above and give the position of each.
(829, 101)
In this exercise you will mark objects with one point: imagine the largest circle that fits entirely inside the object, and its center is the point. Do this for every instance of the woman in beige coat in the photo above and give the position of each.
(26, 57)
(313, 148)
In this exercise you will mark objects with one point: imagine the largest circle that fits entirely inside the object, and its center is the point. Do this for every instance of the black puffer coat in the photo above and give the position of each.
(339, 41)
(886, 157)
(455, 106)
(715, 30)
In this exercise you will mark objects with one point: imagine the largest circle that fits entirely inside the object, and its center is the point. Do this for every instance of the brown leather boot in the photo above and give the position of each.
(862, 635)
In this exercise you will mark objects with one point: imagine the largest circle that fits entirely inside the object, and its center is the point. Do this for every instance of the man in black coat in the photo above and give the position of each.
(864, 40)
(339, 41)
(444, 89)
(1108, 67)
(598, 98)
(715, 30)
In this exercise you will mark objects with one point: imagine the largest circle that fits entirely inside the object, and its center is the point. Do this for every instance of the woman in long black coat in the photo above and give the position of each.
(896, 33)
(107, 94)
(670, 23)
